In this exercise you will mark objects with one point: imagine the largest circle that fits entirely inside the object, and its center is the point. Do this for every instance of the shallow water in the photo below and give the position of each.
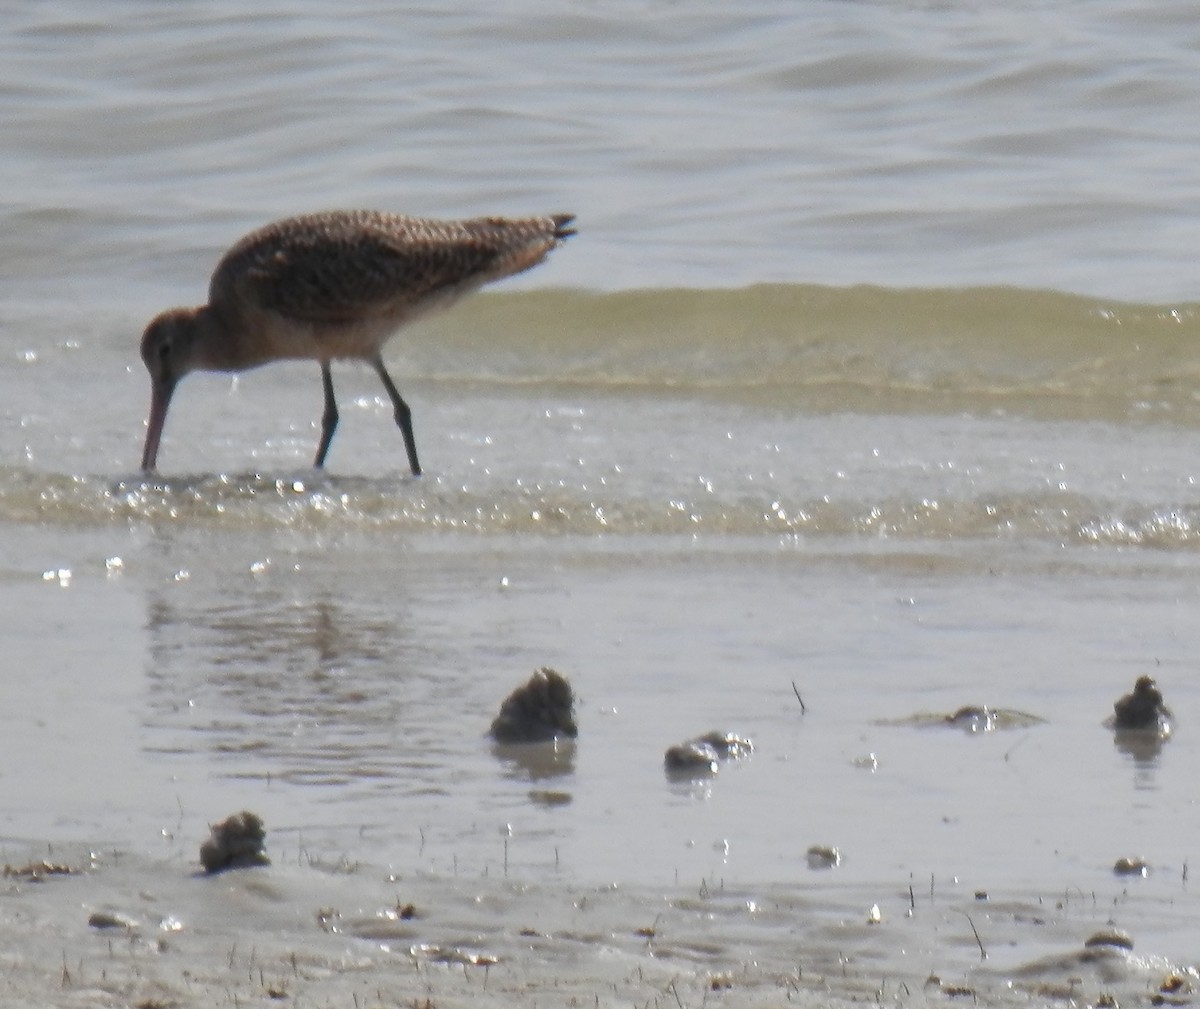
(870, 376)
(341, 685)
(833, 142)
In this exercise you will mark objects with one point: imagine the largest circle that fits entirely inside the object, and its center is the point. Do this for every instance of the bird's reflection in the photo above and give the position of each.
(278, 685)
(267, 656)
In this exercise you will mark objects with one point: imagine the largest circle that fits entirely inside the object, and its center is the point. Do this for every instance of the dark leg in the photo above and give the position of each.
(403, 414)
(329, 419)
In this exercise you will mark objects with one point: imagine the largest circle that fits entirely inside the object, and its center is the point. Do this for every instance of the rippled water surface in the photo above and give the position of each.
(706, 145)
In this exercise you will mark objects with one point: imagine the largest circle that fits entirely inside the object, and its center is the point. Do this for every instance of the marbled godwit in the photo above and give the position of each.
(333, 285)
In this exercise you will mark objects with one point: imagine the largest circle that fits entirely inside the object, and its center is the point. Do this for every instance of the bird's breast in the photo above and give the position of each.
(267, 336)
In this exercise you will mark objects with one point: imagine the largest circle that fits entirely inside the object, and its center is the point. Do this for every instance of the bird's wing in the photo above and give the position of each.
(342, 266)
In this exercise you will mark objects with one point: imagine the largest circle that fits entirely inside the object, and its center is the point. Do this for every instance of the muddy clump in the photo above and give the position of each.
(235, 843)
(538, 711)
(1142, 710)
(702, 755)
(823, 856)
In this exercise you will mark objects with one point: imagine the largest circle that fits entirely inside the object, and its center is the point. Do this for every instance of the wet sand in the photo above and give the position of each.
(315, 930)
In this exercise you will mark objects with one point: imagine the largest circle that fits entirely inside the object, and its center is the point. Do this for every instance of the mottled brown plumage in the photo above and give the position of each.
(329, 286)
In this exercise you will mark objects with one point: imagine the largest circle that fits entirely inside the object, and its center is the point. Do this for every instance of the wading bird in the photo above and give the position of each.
(334, 285)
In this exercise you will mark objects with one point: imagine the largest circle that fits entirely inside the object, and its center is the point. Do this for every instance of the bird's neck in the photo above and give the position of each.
(215, 342)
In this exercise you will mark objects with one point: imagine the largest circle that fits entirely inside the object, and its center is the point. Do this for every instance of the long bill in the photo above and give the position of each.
(160, 399)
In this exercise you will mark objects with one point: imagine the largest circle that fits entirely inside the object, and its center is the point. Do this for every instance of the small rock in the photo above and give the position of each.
(1173, 983)
(110, 919)
(1109, 937)
(823, 856)
(701, 754)
(1131, 866)
(235, 843)
(692, 757)
(538, 711)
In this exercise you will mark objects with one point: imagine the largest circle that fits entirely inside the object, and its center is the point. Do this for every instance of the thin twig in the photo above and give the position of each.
(1009, 752)
(982, 951)
(796, 691)
(675, 992)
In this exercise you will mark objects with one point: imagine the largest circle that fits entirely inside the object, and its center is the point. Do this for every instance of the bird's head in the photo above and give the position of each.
(167, 345)
(168, 349)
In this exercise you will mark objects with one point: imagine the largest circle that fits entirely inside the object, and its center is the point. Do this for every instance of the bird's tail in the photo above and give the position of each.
(562, 226)
(515, 245)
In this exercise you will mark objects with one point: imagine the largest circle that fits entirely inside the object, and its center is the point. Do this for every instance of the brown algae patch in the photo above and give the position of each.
(970, 718)
(36, 872)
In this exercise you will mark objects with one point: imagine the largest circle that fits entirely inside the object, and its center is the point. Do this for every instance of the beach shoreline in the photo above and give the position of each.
(127, 929)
